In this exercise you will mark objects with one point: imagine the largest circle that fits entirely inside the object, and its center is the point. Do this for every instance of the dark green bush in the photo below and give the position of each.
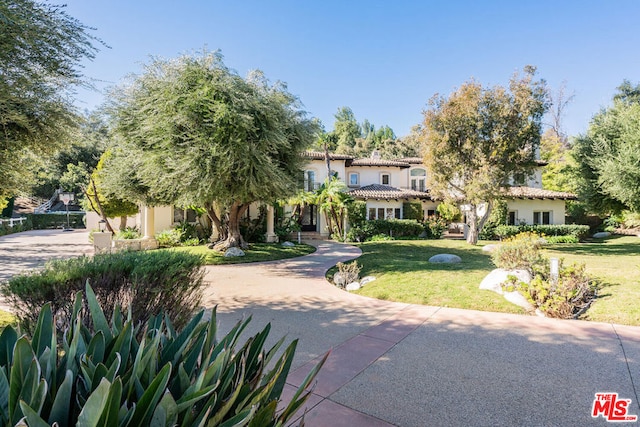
(47, 221)
(578, 231)
(150, 282)
(411, 210)
(16, 228)
(397, 227)
(357, 213)
(119, 374)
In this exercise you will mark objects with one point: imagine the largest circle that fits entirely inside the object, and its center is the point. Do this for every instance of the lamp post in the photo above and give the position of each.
(66, 198)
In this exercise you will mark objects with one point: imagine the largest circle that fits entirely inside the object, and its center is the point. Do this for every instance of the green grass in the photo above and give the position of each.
(404, 274)
(257, 252)
(614, 260)
(7, 318)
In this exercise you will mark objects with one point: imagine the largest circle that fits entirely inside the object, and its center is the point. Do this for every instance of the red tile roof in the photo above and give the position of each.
(385, 192)
(377, 162)
(317, 155)
(537, 193)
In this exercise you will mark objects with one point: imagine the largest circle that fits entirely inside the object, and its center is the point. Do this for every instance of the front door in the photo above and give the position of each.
(309, 219)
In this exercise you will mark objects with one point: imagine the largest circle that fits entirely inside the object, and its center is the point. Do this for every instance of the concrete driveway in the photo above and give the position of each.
(399, 364)
(409, 365)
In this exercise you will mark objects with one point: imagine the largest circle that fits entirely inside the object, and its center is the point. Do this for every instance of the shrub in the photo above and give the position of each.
(360, 233)
(411, 210)
(434, 227)
(380, 238)
(117, 374)
(449, 212)
(578, 231)
(255, 230)
(55, 220)
(567, 297)
(357, 213)
(347, 273)
(499, 215)
(150, 282)
(169, 238)
(561, 239)
(519, 252)
(397, 227)
(129, 233)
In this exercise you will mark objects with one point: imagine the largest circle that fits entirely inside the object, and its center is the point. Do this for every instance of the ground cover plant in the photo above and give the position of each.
(404, 274)
(119, 373)
(257, 252)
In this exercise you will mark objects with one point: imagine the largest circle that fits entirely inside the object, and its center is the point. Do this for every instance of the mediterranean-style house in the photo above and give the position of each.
(385, 186)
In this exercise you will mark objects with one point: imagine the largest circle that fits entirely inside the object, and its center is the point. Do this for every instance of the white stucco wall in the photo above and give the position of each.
(93, 220)
(525, 209)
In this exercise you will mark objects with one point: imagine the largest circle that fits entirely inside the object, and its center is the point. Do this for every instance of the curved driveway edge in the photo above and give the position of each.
(409, 365)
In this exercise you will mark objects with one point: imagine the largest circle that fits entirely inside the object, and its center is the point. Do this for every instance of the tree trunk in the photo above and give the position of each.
(216, 223)
(234, 237)
(472, 222)
(99, 209)
(477, 223)
(123, 222)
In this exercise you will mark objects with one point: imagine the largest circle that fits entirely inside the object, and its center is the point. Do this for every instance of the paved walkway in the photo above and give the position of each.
(399, 364)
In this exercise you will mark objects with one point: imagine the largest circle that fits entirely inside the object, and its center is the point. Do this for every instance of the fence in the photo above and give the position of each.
(12, 221)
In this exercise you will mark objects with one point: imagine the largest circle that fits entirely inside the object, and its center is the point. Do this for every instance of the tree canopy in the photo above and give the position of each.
(608, 156)
(41, 49)
(477, 138)
(193, 132)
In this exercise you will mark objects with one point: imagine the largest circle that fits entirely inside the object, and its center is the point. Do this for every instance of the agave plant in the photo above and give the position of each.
(107, 376)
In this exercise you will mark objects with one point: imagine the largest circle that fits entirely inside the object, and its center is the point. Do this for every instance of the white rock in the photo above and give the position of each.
(494, 280)
(518, 299)
(288, 244)
(445, 258)
(366, 279)
(339, 279)
(232, 252)
(353, 286)
(490, 248)
(601, 235)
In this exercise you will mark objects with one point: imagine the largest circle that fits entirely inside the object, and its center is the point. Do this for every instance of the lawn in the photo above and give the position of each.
(257, 252)
(404, 274)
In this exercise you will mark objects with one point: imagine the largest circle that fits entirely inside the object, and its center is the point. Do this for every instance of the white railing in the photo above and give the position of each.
(43, 208)
(13, 221)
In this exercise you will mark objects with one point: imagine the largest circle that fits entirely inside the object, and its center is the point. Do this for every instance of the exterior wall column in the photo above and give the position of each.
(149, 241)
(271, 235)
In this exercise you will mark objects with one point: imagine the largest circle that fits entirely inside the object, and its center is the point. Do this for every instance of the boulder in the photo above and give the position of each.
(353, 286)
(494, 280)
(366, 279)
(232, 252)
(445, 258)
(490, 248)
(518, 299)
(601, 235)
(339, 279)
(288, 244)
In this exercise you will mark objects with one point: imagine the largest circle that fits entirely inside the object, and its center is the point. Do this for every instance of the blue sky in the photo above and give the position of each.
(384, 59)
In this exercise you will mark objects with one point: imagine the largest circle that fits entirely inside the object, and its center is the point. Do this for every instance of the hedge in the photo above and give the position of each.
(57, 220)
(397, 227)
(577, 231)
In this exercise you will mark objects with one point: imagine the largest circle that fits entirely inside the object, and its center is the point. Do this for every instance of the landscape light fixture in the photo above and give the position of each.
(66, 197)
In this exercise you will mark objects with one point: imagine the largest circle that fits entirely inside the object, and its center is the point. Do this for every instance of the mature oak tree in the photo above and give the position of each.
(477, 138)
(196, 133)
(41, 50)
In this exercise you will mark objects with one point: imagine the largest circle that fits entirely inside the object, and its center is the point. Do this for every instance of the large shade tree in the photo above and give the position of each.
(197, 133)
(477, 138)
(41, 50)
(608, 155)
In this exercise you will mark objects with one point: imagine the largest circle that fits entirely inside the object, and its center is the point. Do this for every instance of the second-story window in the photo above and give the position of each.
(309, 181)
(354, 179)
(385, 179)
(418, 179)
